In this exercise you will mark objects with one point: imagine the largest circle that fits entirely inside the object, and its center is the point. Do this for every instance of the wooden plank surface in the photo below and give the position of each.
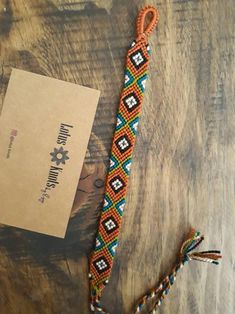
(184, 161)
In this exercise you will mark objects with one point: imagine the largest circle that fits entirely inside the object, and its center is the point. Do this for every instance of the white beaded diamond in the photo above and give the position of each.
(110, 224)
(138, 58)
(101, 264)
(123, 143)
(117, 184)
(131, 101)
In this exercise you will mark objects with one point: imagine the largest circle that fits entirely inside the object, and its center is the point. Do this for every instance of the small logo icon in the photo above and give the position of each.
(14, 132)
(59, 156)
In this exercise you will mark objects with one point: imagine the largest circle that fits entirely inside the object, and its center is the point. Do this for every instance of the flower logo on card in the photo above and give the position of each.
(59, 156)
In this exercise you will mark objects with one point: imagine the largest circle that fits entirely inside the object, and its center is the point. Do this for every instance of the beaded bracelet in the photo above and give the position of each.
(131, 99)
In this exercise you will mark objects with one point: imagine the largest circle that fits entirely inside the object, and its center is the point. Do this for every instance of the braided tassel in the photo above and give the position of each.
(194, 239)
(95, 304)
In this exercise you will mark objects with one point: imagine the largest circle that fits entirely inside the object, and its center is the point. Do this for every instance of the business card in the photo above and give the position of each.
(45, 127)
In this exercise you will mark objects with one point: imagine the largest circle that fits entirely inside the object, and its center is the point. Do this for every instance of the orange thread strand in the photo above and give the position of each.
(141, 21)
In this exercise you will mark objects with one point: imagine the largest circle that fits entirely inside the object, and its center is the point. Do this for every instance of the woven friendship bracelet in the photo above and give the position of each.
(131, 99)
(101, 260)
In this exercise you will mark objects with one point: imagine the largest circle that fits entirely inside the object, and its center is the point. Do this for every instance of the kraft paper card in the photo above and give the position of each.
(45, 126)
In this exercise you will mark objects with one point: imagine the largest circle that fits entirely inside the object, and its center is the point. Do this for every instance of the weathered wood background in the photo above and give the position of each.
(184, 162)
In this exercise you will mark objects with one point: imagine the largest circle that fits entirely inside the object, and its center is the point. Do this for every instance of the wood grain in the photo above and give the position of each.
(183, 172)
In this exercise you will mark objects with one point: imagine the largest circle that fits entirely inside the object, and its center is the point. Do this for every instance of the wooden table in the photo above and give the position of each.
(183, 170)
